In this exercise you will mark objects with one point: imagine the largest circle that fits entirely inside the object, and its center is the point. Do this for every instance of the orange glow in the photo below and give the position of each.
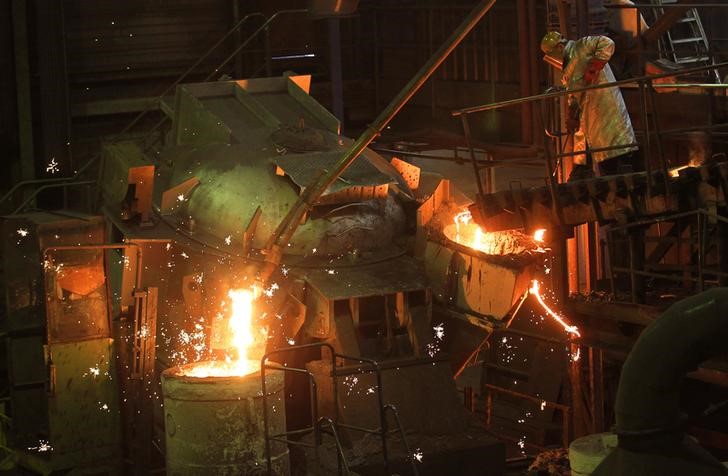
(676, 171)
(569, 329)
(466, 232)
(539, 234)
(238, 339)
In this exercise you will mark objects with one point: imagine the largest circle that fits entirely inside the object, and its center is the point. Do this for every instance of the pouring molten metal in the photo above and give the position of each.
(239, 337)
(536, 292)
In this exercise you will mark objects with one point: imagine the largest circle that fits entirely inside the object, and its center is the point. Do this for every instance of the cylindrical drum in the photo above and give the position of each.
(214, 425)
(587, 452)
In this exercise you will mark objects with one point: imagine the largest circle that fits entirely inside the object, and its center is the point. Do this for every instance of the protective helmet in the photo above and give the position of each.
(550, 40)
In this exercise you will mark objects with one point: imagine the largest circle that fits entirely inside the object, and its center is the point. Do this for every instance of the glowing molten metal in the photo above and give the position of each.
(569, 329)
(466, 232)
(239, 338)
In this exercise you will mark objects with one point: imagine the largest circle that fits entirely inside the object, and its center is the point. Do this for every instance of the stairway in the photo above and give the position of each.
(686, 43)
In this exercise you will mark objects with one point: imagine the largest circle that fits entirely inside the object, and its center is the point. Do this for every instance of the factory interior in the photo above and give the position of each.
(364, 237)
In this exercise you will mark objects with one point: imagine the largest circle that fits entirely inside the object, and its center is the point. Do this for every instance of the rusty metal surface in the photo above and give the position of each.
(214, 425)
(388, 277)
(605, 199)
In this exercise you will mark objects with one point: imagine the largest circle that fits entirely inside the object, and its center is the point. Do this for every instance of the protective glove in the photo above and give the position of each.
(572, 121)
(592, 70)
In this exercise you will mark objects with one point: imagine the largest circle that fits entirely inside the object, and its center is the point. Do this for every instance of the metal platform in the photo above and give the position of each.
(619, 198)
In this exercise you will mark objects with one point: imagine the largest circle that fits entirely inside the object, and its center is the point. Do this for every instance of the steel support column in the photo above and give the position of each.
(22, 90)
(54, 108)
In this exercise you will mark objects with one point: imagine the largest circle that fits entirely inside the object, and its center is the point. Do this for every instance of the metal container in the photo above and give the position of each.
(214, 425)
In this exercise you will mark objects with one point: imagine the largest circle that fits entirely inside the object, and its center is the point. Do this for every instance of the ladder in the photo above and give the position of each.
(686, 43)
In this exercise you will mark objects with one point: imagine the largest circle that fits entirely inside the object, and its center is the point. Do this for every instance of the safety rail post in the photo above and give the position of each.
(564, 409)
(373, 366)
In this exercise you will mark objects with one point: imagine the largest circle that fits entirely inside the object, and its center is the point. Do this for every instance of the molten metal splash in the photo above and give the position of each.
(539, 234)
(468, 233)
(536, 292)
(240, 338)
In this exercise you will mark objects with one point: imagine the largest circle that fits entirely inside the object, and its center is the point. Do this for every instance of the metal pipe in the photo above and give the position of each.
(555, 94)
(476, 169)
(288, 226)
(648, 416)
(524, 71)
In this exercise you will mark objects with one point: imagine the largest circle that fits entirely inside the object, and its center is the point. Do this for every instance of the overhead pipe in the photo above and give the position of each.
(290, 223)
(649, 421)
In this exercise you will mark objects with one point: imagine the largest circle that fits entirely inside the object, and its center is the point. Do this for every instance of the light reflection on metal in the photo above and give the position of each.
(536, 292)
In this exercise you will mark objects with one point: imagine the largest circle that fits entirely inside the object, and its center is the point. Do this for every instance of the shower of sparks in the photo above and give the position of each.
(433, 348)
(569, 329)
(439, 330)
(271, 290)
(95, 371)
(43, 447)
(350, 382)
(52, 166)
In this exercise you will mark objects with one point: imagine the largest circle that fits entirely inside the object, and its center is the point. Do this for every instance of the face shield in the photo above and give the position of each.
(555, 58)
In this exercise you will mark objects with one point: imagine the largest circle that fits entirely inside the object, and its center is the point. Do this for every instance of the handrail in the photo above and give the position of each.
(555, 94)
(253, 35)
(134, 121)
(47, 186)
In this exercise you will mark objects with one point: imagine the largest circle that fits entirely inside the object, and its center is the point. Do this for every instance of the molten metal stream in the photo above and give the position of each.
(239, 337)
(535, 291)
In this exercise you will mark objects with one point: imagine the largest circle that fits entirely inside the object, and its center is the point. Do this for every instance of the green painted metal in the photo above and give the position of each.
(84, 410)
(214, 425)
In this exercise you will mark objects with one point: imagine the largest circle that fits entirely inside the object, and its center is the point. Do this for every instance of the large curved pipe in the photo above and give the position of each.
(649, 420)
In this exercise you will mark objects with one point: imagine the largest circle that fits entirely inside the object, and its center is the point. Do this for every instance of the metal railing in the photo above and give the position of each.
(646, 87)
(333, 424)
(564, 409)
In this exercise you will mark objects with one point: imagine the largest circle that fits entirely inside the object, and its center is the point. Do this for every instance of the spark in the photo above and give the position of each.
(52, 166)
(95, 371)
(543, 405)
(184, 255)
(22, 232)
(331, 271)
(313, 251)
(417, 455)
(576, 355)
(168, 246)
(538, 235)
(291, 341)
(439, 331)
(272, 289)
(228, 240)
(569, 329)
(285, 271)
(181, 197)
(43, 446)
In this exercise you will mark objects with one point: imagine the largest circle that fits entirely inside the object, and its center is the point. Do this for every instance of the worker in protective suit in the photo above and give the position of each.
(597, 118)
